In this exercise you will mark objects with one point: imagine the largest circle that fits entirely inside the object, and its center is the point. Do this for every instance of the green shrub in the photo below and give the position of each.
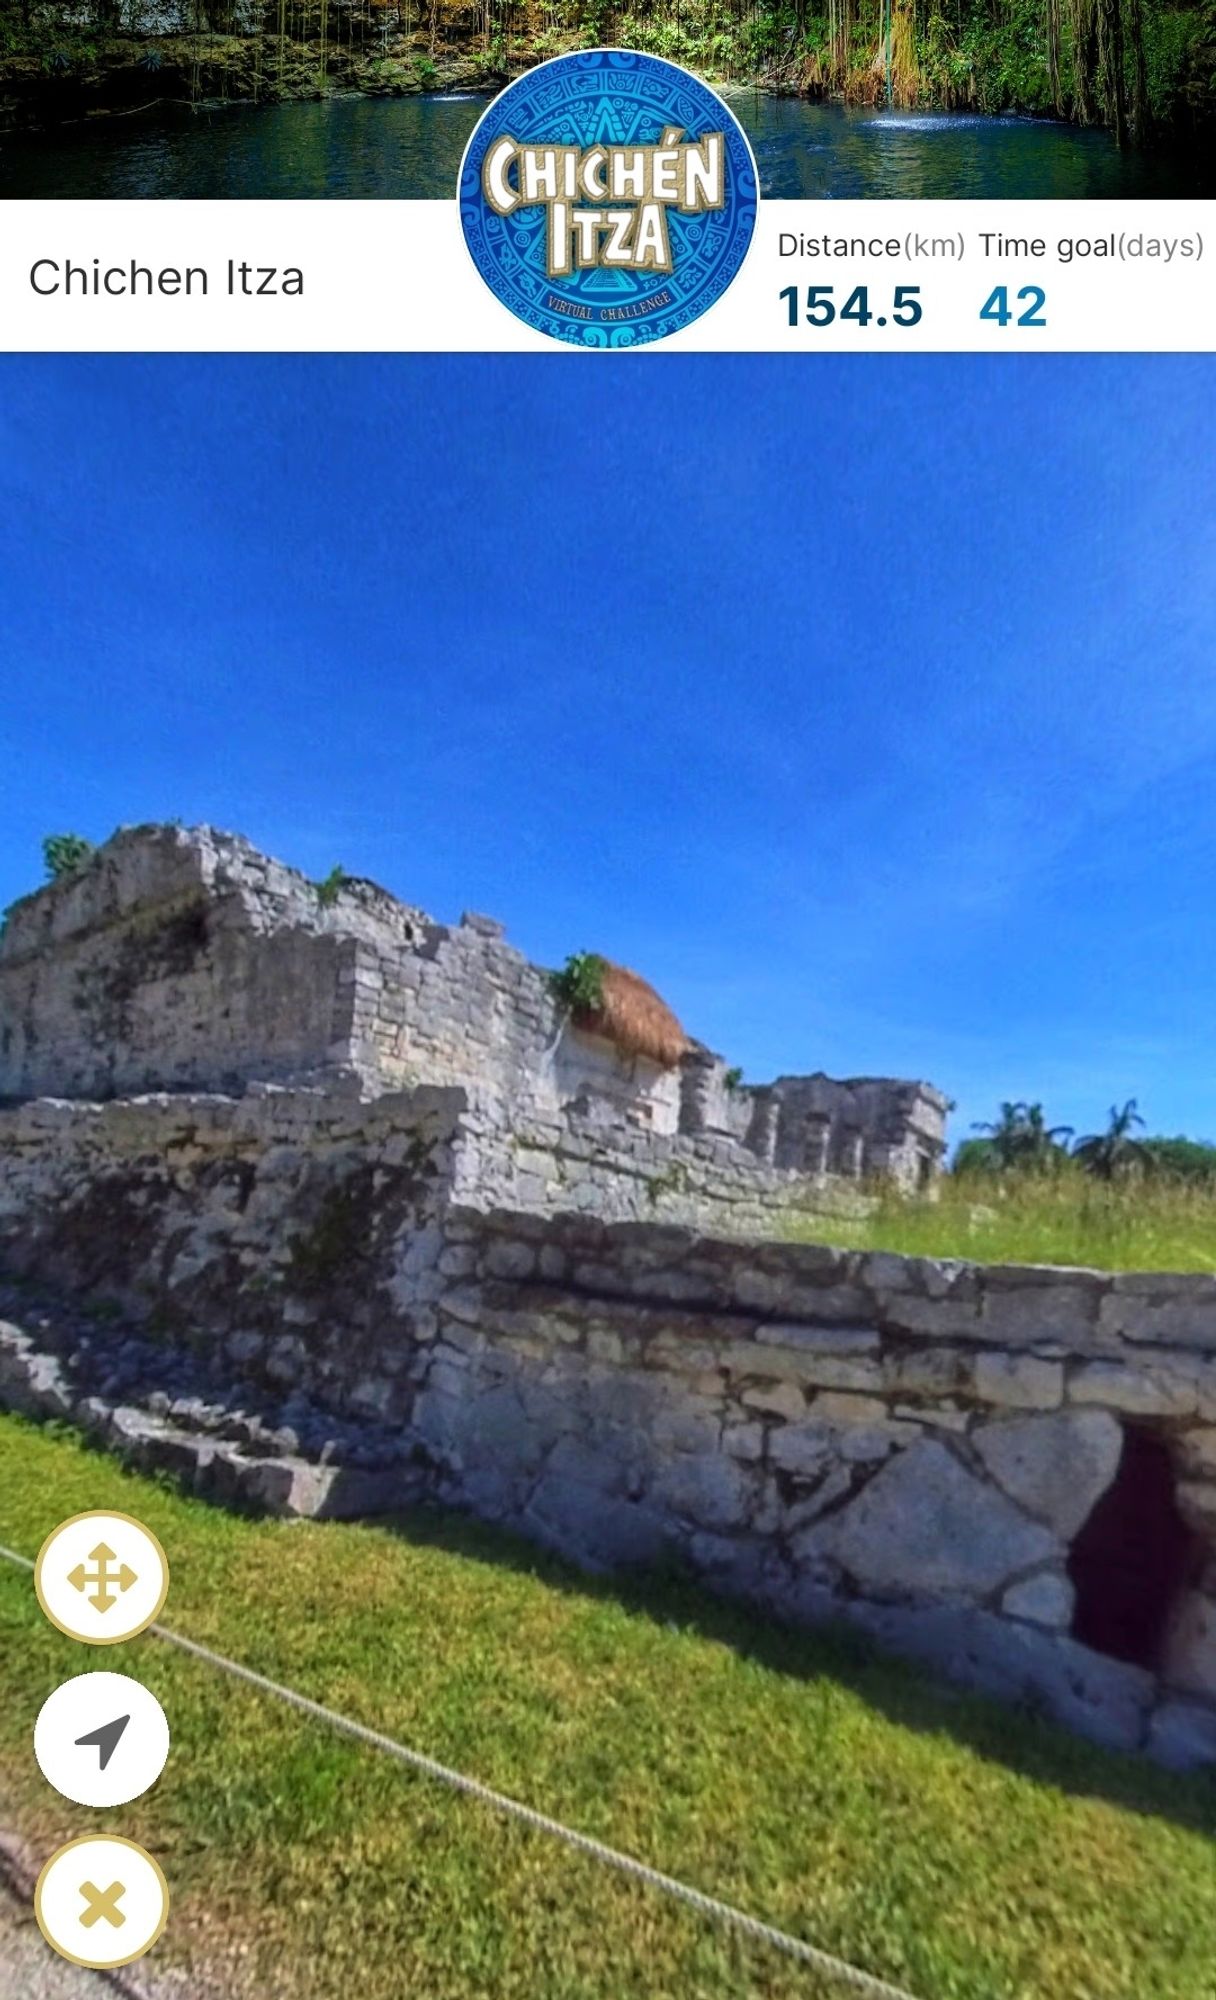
(330, 887)
(579, 986)
(64, 853)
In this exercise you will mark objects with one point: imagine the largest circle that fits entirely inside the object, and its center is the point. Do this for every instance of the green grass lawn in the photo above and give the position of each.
(1067, 1218)
(958, 1849)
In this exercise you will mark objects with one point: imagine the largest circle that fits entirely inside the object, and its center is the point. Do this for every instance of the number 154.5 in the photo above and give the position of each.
(817, 305)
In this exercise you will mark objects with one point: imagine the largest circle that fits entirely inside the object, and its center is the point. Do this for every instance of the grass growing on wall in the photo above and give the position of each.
(1063, 1218)
(958, 1848)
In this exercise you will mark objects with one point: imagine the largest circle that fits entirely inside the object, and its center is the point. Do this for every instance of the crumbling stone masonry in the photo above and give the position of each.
(330, 1297)
(186, 960)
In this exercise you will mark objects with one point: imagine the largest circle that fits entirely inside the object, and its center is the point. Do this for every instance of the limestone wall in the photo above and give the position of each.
(916, 1446)
(177, 961)
(926, 1448)
(184, 959)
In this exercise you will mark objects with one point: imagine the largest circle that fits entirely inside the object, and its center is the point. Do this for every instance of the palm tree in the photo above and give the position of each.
(1115, 1151)
(1021, 1136)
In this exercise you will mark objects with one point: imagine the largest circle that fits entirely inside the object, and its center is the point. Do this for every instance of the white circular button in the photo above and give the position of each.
(101, 1578)
(101, 1739)
(101, 1901)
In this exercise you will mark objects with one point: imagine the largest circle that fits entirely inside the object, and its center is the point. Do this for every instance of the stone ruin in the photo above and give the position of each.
(328, 1209)
(188, 961)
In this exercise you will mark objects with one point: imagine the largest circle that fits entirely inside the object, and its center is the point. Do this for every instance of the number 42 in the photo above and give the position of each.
(998, 308)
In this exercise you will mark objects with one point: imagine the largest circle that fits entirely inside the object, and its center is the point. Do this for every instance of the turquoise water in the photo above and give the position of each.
(410, 147)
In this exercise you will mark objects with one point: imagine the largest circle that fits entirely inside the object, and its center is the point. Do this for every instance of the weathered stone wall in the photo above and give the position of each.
(175, 961)
(918, 1446)
(183, 959)
(245, 1219)
(913, 1445)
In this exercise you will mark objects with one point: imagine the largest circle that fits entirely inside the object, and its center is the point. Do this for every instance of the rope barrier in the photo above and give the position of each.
(821, 1961)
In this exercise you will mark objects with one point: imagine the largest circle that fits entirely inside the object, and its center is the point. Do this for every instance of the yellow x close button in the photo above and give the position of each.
(101, 1901)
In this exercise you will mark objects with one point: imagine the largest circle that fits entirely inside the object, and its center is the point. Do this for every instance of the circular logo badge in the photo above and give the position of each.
(608, 197)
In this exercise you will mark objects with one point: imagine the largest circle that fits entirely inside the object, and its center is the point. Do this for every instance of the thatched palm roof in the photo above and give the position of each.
(632, 1016)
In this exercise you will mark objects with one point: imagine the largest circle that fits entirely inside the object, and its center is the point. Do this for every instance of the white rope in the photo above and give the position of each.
(610, 1857)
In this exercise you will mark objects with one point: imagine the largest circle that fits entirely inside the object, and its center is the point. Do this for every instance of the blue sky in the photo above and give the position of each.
(868, 707)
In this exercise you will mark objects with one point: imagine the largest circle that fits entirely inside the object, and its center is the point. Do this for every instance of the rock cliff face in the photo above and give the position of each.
(358, 1219)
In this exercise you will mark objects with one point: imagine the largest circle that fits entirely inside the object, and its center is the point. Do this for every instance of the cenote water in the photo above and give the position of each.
(410, 147)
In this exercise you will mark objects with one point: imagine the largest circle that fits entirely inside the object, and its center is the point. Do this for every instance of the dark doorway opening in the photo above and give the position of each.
(1132, 1557)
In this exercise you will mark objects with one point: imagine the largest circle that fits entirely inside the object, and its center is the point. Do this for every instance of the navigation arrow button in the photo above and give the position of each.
(104, 1740)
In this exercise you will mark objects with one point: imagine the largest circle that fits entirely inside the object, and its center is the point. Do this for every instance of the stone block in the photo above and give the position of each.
(506, 1258)
(1046, 1599)
(778, 1399)
(1152, 1307)
(715, 1493)
(842, 1410)
(744, 1441)
(1189, 1657)
(372, 1396)
(681, 1426)
(285, 1486)
(926, 1525)
(245, 1347)
(737, 1565)
(1141, 1389)
(808, 1507)
(928, 1371)
(744, 1358)
(1056, 1467)
(1018, 1381)
(932, 1319)
(1105, 1700)
(1197, 1452)
(847, 1340)
(458, 1260)
(1197, 1505)
(1024, 1315)
(1182, 1735)
(836, 1371)
(287, 1360)
(596, 1532)
(803, 1450)
(949, 1418)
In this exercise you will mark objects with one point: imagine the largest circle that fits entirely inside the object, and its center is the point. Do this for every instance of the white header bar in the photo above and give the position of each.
(384, 276)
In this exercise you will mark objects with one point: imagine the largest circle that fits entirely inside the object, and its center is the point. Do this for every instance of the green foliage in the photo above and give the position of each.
(733, 1078)
(1068, 1217)
(1019, 1137)
(579, 986)
(984, 55)
(767, 1764)
(491, 61)
(1116, 1151)
(1119, 1199)
(1184, 1159)
(330, 887)
(64, 853)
